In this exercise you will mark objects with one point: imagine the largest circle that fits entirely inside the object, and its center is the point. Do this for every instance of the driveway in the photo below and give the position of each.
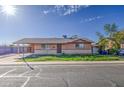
(10, 58)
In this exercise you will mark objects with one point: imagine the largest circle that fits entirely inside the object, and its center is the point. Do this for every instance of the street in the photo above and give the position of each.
(80, 75)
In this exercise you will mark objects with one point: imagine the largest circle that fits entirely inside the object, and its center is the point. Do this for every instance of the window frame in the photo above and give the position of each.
(79, 45)
(44, 46)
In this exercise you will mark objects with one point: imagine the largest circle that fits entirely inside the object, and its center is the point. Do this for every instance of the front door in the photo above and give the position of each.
(59, 48)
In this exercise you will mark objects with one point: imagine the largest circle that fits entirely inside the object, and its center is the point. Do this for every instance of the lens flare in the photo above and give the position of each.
(8, 9)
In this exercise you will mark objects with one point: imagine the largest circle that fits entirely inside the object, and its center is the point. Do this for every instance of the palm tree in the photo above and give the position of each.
(74, 36)
(111, 29)
(64, 36)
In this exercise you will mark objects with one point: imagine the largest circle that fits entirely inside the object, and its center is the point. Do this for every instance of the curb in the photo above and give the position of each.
(62, 63)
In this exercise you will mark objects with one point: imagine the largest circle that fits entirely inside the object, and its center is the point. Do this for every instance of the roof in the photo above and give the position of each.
(49, 40)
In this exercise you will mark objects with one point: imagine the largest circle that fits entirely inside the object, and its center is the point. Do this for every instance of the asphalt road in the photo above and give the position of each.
(92, 75)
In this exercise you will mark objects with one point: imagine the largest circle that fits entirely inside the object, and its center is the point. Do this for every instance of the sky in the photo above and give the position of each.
(38, 21)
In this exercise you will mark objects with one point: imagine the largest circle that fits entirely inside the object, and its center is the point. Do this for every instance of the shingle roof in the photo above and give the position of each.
(48, 40)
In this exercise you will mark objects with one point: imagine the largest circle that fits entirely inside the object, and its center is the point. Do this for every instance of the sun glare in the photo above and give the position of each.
(8, 9)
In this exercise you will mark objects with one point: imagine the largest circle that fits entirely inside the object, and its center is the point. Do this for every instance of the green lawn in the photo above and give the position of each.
(73, 58)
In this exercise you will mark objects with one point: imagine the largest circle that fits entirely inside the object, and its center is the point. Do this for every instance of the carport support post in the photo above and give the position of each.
(18, 48)
(23, 49)
(92, 49)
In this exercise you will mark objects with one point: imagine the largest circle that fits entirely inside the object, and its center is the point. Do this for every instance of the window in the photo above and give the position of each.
(79, 45)
(44, 46)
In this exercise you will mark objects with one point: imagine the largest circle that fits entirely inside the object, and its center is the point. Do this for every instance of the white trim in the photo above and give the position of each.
(77, 51)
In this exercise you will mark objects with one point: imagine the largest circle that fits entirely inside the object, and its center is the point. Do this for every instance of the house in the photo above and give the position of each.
(122, 45)
(57, 45)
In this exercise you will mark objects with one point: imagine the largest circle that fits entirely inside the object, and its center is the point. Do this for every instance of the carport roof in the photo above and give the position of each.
(49, 40)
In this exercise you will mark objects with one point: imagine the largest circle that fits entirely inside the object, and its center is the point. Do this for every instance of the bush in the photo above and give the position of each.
(112, 51)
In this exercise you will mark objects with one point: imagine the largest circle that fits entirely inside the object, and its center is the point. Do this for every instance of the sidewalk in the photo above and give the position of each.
(75, 62)
(63, 63)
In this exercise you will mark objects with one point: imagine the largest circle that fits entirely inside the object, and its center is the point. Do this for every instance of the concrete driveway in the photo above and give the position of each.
(9, 58)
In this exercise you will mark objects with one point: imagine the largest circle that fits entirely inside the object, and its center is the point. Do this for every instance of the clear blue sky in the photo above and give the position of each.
(55, 21)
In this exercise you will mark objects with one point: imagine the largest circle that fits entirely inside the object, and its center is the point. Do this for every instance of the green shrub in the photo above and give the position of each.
(112, 51)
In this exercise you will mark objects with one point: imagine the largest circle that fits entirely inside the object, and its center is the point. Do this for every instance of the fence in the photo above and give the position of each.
(11, 49)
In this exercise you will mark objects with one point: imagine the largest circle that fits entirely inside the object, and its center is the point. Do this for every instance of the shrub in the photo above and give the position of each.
(112, 51)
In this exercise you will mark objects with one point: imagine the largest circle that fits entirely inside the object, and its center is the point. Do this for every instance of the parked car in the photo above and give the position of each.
(121, 52)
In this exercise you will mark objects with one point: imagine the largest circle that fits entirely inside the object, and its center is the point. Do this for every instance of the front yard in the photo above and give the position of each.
(38, 58)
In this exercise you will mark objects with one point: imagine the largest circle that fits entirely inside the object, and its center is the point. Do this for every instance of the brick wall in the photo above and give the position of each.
(39, 46)
(68, 48)
(87, 46)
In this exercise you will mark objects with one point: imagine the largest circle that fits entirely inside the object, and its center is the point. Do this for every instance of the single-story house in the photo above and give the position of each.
(57, 45)
(122, 45)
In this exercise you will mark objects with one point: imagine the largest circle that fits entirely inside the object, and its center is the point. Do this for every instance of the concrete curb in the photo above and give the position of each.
(64, 63)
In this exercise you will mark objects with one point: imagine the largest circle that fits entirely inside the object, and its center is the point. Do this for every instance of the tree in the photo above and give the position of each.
(71, 37)
(101, 36)
(112, 40)
(110, 29)
(74, 36)
(109, 41)
(64, 36)
(118, 37)
(102, 40)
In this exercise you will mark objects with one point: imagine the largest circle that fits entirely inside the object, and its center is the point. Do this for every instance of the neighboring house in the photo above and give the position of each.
(122, 45)
(57, 45)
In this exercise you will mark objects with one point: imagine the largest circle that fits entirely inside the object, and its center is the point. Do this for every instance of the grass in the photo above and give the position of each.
(38, 58)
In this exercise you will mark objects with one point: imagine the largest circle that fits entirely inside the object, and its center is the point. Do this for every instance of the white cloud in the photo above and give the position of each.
(64, 10)
(45, 12)
(91, 19)
(71, 9)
